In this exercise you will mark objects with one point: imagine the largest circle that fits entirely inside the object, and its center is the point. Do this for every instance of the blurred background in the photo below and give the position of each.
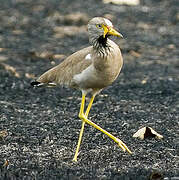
(37, 136)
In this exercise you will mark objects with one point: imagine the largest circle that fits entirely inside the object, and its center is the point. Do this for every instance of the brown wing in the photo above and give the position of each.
(63, 73)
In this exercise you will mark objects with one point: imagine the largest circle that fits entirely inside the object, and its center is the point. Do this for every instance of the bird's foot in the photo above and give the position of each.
(123, 146)
(74, 159)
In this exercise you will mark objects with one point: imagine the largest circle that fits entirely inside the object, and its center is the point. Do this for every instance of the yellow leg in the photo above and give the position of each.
(83, 122)
(89, 106)
(79, 141)
(118, 141)
(83, 118)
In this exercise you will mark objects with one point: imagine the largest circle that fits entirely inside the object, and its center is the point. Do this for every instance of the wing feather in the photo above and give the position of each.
(63, 73)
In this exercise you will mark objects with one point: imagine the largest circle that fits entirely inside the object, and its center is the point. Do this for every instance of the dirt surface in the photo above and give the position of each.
(39, 128)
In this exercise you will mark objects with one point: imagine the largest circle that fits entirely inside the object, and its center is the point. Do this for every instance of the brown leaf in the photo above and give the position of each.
(144, 81)
(3, 58)
(17, 32)
(146, 132)
(59, 56)
(29, 76)
(144, 26)
(62, 31)
(46, 54)
(156, 176)
(2, 49)
(10, 69)
(6, 163)
(171, 46)
(3, 134)
(135, 54)
(126, 2)
(76, 18)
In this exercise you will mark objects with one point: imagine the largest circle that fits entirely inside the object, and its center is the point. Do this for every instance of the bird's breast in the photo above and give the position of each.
(108, 68)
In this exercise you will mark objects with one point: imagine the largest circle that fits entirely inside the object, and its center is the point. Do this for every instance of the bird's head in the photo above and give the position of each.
(101, 28)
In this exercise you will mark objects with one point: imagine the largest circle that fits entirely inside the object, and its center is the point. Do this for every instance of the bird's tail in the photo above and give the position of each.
(48, 79)
(39, 84)
(36, 84)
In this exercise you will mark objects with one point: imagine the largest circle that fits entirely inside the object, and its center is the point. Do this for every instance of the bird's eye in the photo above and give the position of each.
(99, 26)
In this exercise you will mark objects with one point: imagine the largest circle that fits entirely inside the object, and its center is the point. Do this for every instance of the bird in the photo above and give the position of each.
(89, 70)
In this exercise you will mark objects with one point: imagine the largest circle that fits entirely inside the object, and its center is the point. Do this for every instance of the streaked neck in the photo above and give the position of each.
(101, 45)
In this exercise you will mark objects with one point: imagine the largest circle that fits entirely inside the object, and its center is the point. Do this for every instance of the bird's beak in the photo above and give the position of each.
(111, 31)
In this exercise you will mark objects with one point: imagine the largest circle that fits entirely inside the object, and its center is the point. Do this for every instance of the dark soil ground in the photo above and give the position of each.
(39, 128)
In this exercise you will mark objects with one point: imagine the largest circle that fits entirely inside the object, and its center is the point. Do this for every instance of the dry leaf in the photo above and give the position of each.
(171, 46)
(144, 26)
(135, 54)
(17, 32)
(3, 58)
(146, 132)
(157, 135)
(144, 81)
(38, 8)
(62, 31)
(32, 54)
(6, 163)
(46, 54)
(29, 76)
(177, 16)
(2, 49)
(76, 18)
(123, 2)
(10, 69)
(52, 63)
(3, 133)
(156, 175)
(59, 56)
